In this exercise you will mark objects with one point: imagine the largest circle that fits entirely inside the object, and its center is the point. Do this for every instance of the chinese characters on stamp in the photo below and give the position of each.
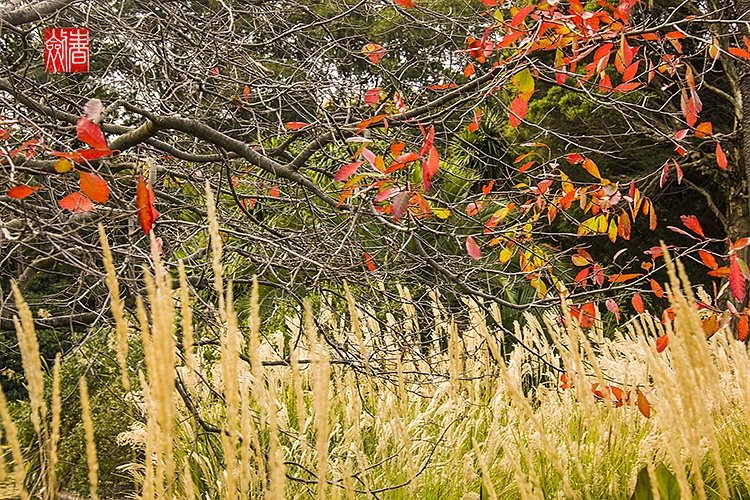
(66, 50)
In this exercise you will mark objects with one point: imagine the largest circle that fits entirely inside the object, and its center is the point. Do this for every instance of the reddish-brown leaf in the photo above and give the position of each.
(399, 205)
(637, 302)
(736, 279)
(76, 202)
(90, 133)
(93, 186)
(473, 249)
(721, 158)
(144, 202)
(691, 222)
(643, 405)
(22, 191)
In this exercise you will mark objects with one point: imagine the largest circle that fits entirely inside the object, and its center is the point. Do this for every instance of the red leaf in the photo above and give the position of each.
(274, 192)
(372, 96)
(430, 167)
(742, 328)
(736, 279)
(588, 314)
(575, 159)
(637, 302)
(582, 276)
(662, 343)
(346, 171)
(691, 222)
(680, 135)
(374, 52)
(93, 186)
(664, 173)
(518, 110)
(76, 202)
(22, 191)
(144, 202)
(643, 405)
(708, 259)
(90, 133)
(721, 158)
(409, 4)
(657, 289)
(370, 263)
(473, 249)
(474, 125)
(246, 93)
(626, 87)
(295, 125)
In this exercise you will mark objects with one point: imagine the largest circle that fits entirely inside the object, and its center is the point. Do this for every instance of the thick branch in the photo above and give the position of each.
(34, 12)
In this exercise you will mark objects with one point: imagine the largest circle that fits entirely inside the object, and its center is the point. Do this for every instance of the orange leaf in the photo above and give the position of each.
(621, 278)
(657, 289)
(295, 125)
(22, 191)
(704, 129)
(708, 259)
(591, 168)
(409, 4)
(637, 302)
(643, 405)
(469, 70)
(144, 202)
(719, 272)
(662, 343)
(738, 52)
(742, 328)
(474, 125)
(90, 133)
(721, 158)
(93, 186)
(76, 202)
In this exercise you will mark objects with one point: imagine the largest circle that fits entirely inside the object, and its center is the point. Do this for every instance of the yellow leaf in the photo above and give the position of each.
(441, 213)
(612, 233)
(591, 168)
(63, 165)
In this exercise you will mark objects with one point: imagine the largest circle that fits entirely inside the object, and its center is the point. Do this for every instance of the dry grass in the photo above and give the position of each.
(465, 418)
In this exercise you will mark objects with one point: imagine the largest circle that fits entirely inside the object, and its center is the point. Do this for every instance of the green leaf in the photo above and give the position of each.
(669, 488)
(524, 82)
